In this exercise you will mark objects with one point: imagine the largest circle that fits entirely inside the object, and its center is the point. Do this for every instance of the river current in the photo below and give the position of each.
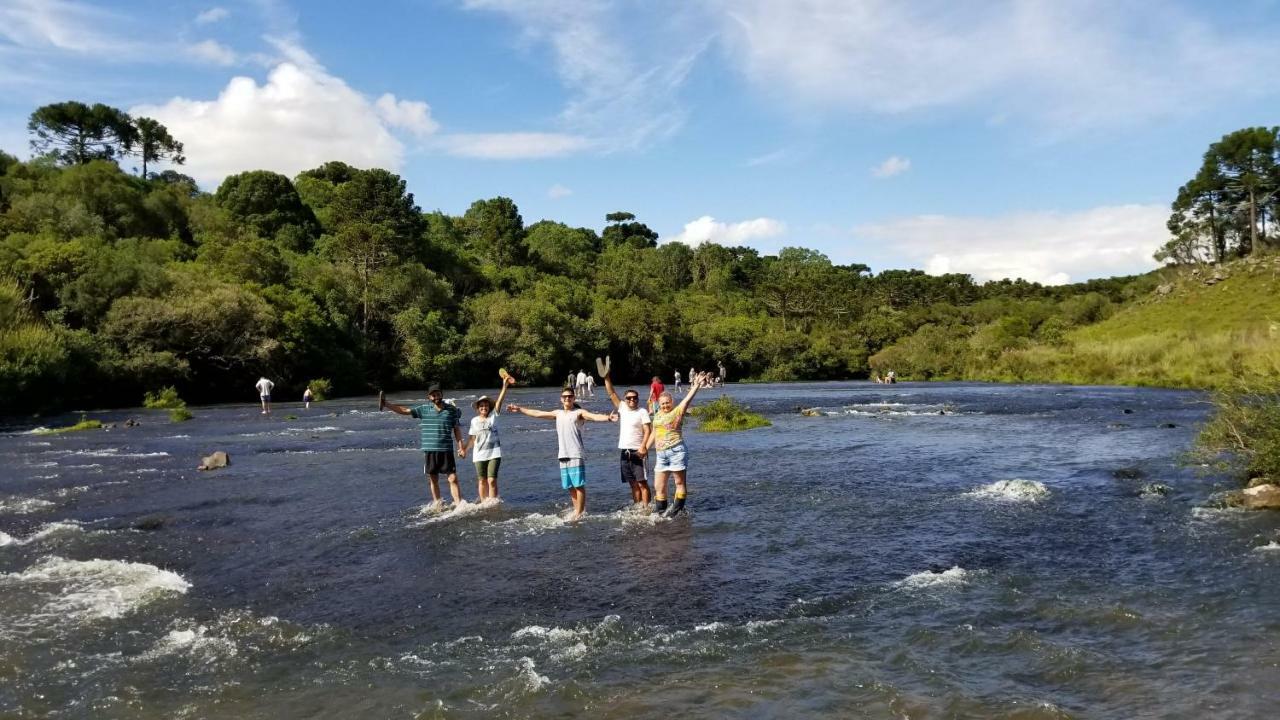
(915, 551)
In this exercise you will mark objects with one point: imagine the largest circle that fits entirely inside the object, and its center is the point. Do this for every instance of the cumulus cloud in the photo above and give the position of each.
(214, 52)
(513, 146)
(1046, 247)
(299, 118)
(708, 229)
(557, 191)
(212, 15)
(1068, 65)
(411, 115)
(892, 165)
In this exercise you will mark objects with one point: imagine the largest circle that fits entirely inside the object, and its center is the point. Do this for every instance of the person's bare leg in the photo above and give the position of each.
(493, 489)
(454, 489)
(482, 488)
(645, 495)
(579, 497)
(435, 488)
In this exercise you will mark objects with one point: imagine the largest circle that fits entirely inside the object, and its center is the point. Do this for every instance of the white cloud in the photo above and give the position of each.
(513, 146)
(411, 115)
(766, 159)
(1046, 247)
(892, 165)
(214, 52)
(63, 26)
(708, 229)
(557, 191)
(1068, 66)
(299, 118)
(212, 15)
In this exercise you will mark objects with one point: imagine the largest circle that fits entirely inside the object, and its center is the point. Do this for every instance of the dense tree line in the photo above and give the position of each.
(113, 284)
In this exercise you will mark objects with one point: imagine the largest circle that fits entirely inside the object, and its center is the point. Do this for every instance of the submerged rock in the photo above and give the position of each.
(811, 412)
(1152, 490)
(217, 460)
(1127, 473)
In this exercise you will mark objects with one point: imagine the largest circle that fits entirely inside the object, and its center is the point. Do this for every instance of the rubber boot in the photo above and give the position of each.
(660, 505)
(676, 508)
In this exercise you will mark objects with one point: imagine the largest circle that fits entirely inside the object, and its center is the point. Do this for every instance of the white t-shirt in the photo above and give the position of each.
(264, 386)
(631, 427)
(485, 431)
(582, 378)
(677, 377)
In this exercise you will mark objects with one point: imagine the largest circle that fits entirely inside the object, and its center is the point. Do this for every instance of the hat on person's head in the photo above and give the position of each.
(435, 388)
(482, 399)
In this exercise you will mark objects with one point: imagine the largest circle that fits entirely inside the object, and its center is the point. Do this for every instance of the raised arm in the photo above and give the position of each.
(693, 390)
(384, 405)
(600, 417)
(608, 386)
(497, 406)
(530, 412)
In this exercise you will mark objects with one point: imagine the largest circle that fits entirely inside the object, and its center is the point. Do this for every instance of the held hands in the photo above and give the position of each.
(462, 450)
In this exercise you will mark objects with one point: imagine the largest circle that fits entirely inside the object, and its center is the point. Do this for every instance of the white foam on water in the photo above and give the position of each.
(67, 492)
(7, 539)
(48, 464)
(1218, 513)
(533, 524)
(115, 452)
(197, 642)
(40, 443)
(84, 467)
(1016, 490)
(94, 589)
(1272, 546)
(177, 437)
(23, 506)
(65, 528)
(458, 511)
(37, 430)
(955, 577)
(529, 672)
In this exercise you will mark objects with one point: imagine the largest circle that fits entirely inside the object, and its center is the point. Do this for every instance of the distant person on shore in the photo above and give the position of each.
(591, 385)
(656, 388)
(573, 458)
(264, 393)
(437, 422)
(483, 436)
(724, 374)
(571, 382)
(307, 397)
(673, 458)
(634, 428)
(677, 381)
(581, 385)
(891, 377)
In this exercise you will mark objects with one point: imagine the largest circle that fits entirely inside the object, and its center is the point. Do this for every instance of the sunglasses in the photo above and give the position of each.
(631, 398)
(566, 397)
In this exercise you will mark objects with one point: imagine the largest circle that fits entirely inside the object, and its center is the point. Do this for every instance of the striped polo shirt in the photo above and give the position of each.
(436, 426)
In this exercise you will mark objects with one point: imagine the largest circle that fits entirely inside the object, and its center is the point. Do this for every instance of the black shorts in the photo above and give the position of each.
(632, 468)
(439, 462)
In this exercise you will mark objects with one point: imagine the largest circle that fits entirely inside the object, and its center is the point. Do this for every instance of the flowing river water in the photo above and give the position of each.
(916, 551)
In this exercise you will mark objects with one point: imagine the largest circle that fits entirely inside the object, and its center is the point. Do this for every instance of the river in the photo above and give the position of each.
(916, 551)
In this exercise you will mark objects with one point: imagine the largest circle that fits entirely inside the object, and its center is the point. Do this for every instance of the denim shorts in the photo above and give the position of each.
(673, 458)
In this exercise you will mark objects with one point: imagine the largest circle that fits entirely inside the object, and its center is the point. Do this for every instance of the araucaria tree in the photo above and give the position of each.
(153, 142)
(1231, 203)
(76, 133)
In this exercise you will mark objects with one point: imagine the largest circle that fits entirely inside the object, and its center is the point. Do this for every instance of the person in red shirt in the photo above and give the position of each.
(656, 388)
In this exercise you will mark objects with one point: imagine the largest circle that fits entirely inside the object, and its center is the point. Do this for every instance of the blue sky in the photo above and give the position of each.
(1034, 139)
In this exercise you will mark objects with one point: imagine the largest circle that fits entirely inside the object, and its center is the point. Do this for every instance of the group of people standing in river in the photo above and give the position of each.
(661, 429)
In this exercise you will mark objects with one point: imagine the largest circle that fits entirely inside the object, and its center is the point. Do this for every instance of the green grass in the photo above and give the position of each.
(1196, 336)
(724, 414)
(84, 424)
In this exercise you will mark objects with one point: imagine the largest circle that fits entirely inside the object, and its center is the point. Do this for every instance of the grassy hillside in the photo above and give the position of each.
(1204, 328)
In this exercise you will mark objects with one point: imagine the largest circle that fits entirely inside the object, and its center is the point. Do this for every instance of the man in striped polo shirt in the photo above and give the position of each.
(437, 421)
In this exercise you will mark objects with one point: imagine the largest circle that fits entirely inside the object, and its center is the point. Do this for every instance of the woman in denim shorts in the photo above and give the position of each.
(668, 438)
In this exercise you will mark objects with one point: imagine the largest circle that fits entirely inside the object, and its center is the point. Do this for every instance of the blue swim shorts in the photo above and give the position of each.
(673, 458)
(573, 473)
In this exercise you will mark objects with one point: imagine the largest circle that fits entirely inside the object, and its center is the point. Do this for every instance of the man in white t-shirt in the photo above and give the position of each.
(264, 393)
(581, 385)
(591, 385)
(634, 428)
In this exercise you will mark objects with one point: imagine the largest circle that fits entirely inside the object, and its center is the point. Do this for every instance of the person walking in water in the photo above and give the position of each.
(581, 385)
(656, 388)
(264, 393)
(437, 421)
(487, 454)
(573, 464)
(634, 428)
(591, 385)
(723, 373)
(677, 382)
(673, 458)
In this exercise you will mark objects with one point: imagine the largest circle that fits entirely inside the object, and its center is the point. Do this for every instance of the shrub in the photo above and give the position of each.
(166, 399)
(321, 389)
(84, 424)
(724, 414)
(1244, 434)
(180, 414)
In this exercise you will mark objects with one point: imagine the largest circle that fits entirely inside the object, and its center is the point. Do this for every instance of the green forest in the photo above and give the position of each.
(115, 282)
